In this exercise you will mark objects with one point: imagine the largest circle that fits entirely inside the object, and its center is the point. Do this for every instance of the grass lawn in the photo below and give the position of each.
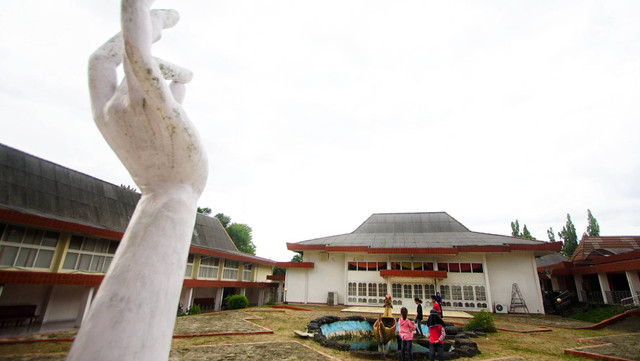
(540, 346)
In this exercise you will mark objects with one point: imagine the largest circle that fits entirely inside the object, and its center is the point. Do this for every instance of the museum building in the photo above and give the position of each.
(411, 255)
(59, 231)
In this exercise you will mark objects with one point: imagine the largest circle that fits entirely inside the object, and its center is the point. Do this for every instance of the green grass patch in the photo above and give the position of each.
(597, 313)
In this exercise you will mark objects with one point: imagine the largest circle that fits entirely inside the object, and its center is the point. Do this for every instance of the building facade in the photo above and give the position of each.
(412, 255)
(59, 231)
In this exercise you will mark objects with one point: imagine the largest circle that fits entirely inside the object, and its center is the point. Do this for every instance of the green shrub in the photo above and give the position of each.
(597, 313)
(482, 321)
(194, 310)
(235, 302)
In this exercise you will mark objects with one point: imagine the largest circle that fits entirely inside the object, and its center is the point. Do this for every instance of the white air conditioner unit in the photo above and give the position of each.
(332, 298)
(500, 308)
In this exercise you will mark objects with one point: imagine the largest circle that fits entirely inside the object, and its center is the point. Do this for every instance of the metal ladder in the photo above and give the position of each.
(516, 300)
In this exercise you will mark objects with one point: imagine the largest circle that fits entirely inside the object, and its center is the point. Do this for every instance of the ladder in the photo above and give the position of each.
(516, 300)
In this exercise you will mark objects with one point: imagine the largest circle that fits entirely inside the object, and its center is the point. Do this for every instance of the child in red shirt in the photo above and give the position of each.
(436, 335)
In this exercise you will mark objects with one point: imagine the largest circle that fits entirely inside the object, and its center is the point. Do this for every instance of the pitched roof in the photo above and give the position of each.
(34, 186)
(416, 230)
(604, 246)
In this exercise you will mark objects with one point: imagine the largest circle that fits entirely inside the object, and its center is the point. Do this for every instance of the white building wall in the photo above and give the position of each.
(65, 303)
(296, 285)
(328, 275)
(505, 269)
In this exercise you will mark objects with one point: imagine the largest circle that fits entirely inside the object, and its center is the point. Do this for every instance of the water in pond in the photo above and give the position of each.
(359, 335)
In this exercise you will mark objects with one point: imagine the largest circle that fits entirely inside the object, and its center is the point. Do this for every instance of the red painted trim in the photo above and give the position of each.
(616, 257)
(295, 264)
(413, 251)
(58, 225)
(233, 256)
(484, 248)
(276, 277)
(347, 249)
(407, 273)
(630, 265)
(48, 278)
(305, 247)
(216, 283)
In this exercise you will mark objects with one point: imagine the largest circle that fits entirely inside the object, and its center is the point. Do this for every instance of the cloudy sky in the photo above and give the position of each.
(316, 114)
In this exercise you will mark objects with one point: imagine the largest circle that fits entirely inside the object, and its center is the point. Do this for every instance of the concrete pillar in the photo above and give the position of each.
(261, 296)
(85, 305)
(219, 292)
(186, 298)
(604, 286)
(487, 284)
(243, 291)
(578, 280)
(634, 285)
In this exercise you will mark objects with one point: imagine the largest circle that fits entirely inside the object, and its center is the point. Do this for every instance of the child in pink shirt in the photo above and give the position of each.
(406, 327)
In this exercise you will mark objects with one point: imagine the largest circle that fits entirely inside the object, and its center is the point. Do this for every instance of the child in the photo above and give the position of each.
(436, 336)
(436, 305)
(418, 319)
(406, 327)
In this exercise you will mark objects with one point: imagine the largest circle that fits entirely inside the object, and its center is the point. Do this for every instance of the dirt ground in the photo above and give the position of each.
(270, 337)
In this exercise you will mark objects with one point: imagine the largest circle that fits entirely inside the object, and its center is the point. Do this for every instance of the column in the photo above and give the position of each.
(634, 285)
(604, 286)
(84, 305)
(219, 292)
(186, 298)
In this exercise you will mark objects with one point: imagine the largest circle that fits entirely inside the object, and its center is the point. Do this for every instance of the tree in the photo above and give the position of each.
(297, 258)
(593, 229)
(241, 235)
(225, 220)
(526, 233)
(569, 237)
(515, 229)
(551, 234)
(206, 211)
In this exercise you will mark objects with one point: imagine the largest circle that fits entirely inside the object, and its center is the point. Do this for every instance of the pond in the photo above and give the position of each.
(359, 336)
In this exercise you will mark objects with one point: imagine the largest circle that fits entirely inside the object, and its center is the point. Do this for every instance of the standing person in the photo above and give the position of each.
(436, 336)
(418, 319)
(439, 298)
(406, 327)
(436, 305)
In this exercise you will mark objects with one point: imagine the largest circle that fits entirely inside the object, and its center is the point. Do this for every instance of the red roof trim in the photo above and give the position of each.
(615, 257)
(484, 248)
(47, 278)
(295, 264)
(58, 225)
(347, 249)
(276, 277)
(305, 247)
(407, 273)
(630, 265)
(233, 256)
(217, 283)
(413, 250)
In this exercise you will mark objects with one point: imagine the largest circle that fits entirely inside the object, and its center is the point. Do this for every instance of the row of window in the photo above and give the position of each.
(24, 247)
(209, 269)
(455, 267)
(369, 292)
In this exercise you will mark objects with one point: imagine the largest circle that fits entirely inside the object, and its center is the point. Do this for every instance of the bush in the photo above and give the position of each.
(235, 302)
(194, 310)
(482, 321)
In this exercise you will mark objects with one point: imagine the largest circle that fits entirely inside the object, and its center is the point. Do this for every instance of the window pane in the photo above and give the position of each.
(44, 258)
(407, 291)
(396, 289)
(107, 263)
(417, 291)
(96, 263)
(477, 267)
(14, 234)
(465, 267)
(373, 290)
(32, 236)
(372, 266)
(7, 255)
(382, 289)
(2, 227)
(113, 246)
(50, 239)
(395, 265)
(26, 257)
(362, 289)
(417, 266)
(85, 262)
(70, 261)
(362, 266)
(428, 266)
(405, 266)
(89, 244)
(102, 245)
(188, 270)
(443, 267)
(76, 242)
(353, 266)
(382, 265)
(352, 289)
(454, 267)
(231, 264)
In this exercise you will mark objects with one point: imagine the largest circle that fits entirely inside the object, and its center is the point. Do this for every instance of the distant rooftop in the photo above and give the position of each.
(604, 246)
